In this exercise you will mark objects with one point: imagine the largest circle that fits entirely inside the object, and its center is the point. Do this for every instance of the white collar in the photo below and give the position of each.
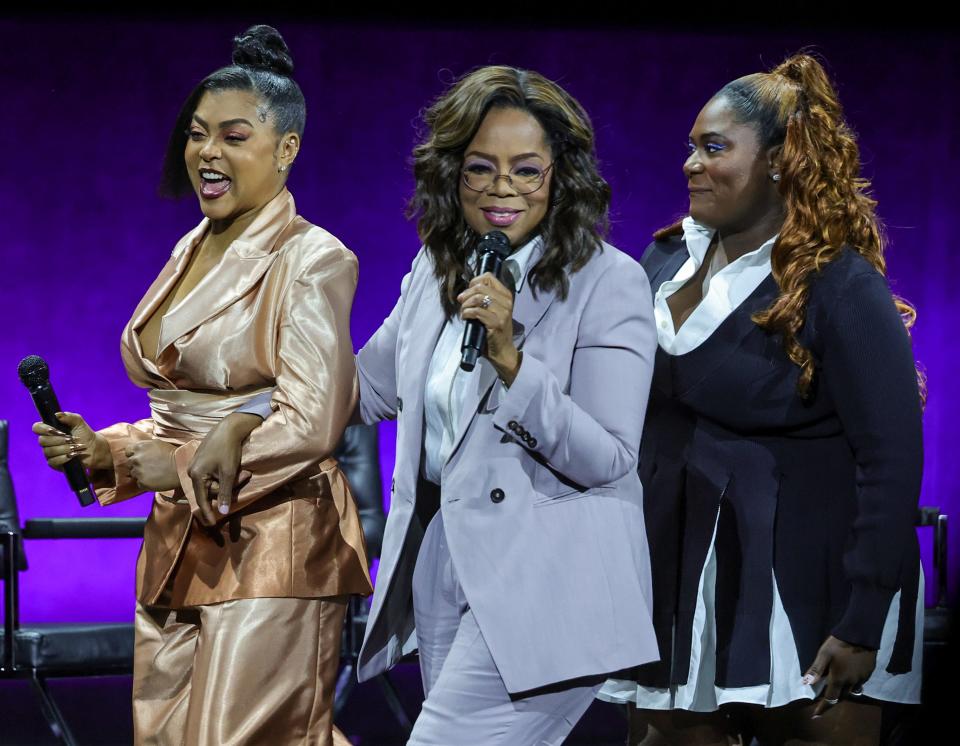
(697, 237)
(516, 263)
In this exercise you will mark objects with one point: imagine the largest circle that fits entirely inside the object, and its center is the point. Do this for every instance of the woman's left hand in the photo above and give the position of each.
(216, 465)
(496, 314)
(846, 666)
(152, 464)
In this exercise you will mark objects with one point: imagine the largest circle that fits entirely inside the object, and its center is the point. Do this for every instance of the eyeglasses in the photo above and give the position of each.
(480, 176)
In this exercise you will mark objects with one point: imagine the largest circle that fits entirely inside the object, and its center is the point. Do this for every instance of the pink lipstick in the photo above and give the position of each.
(501, 216)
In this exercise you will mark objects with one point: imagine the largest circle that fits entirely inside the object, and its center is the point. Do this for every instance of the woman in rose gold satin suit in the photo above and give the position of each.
(241, 599)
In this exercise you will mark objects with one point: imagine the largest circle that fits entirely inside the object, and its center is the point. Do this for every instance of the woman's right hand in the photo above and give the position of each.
(81, 442)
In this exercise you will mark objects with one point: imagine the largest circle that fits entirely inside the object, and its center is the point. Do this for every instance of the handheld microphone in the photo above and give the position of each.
(35, 374)
(493, 249)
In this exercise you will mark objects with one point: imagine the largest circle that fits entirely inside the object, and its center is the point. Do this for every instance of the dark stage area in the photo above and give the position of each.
(98, 710)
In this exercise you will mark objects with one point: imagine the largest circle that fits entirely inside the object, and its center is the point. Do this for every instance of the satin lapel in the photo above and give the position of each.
(243, 264)
(159, 290)
(222, 285)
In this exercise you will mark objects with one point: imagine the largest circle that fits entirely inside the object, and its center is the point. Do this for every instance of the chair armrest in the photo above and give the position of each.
(931, 517)
(940, 558)
(84, 528)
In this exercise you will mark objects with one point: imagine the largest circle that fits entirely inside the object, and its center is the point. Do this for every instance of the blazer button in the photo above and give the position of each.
(497, 495)
(512, 425)
(532, 442)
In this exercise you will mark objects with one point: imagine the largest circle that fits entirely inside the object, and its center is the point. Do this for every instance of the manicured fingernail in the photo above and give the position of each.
(224, 508)
(815, 717)
(807, 680)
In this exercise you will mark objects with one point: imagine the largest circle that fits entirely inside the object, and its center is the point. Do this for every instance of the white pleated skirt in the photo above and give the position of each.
(701, 694)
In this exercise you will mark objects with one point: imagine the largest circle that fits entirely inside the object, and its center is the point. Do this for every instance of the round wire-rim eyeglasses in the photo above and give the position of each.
(515, 184)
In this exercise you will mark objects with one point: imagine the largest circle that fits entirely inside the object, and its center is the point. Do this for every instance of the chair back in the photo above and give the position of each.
(359, 456)
(9, 517)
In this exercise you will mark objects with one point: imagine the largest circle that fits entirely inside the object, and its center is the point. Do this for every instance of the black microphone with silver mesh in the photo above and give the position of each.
(493, 249)
(35, 375)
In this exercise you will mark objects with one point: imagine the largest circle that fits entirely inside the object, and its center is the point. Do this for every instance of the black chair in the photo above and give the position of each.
(359, 459)
(39, 652)
(936, 623)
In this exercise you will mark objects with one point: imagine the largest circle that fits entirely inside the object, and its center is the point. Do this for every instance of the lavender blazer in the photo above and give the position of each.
(541, 501)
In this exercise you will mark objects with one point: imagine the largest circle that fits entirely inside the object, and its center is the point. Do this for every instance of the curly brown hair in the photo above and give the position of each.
(576, 220)
(826, 200)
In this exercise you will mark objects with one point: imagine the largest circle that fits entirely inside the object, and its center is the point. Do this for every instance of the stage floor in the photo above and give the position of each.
(98, 712)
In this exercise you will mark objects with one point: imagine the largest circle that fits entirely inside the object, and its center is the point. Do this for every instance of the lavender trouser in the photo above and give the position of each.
(467, 703)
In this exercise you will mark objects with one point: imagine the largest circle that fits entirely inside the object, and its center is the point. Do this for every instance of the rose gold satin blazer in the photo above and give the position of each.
(274, 312)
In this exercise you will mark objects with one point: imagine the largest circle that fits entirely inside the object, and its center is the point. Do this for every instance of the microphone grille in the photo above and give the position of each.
(33, 370)
(495, 241)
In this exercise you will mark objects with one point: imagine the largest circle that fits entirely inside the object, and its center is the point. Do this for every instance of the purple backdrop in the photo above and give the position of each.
(83, 233)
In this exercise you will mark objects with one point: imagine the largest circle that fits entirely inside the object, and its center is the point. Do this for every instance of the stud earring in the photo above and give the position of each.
(775, 177)
(281, 169)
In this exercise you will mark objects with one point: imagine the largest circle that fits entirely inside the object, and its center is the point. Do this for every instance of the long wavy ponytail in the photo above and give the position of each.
(826, 200)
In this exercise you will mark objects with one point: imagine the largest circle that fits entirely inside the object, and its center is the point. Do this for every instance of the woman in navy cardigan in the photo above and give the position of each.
(782, 454)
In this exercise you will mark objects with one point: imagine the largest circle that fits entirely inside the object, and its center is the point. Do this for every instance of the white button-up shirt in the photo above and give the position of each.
(724, 290)
(447, 382)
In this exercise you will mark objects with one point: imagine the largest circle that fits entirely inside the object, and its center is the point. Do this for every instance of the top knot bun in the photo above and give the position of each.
(262, 47)
(799, 68)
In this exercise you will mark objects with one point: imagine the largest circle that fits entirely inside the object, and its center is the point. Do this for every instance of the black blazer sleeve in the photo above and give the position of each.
(868, 370)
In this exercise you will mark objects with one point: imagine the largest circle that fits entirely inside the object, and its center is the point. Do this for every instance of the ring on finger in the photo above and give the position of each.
(857, 691)
(831, 701)
(485, 303)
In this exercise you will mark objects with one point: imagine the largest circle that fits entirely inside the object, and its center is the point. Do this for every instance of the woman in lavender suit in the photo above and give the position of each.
(515, 556)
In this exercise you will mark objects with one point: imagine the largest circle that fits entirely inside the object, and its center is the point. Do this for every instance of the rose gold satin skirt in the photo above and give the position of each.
(251, 671)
